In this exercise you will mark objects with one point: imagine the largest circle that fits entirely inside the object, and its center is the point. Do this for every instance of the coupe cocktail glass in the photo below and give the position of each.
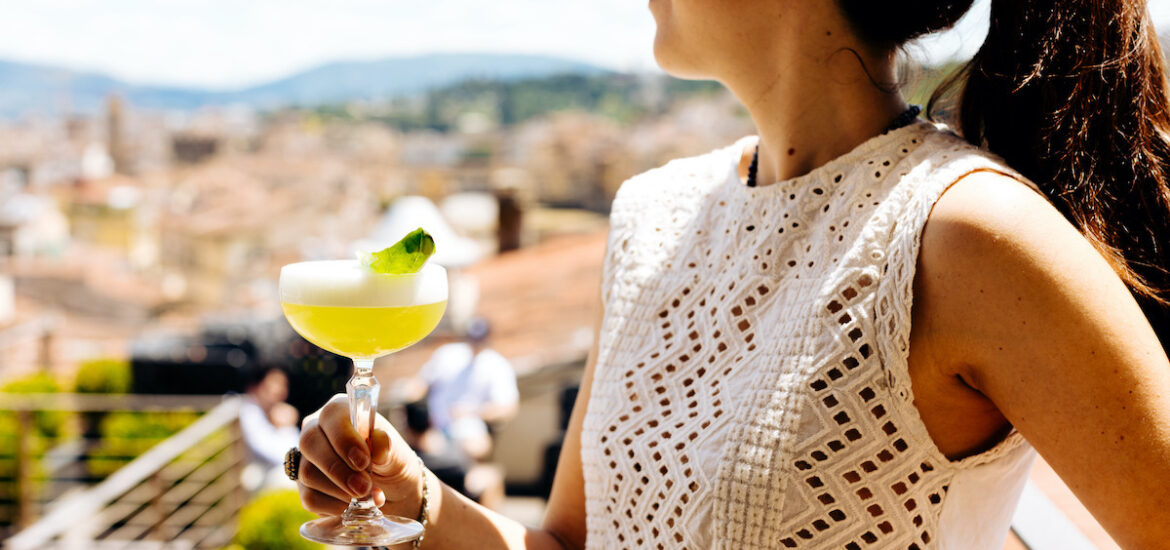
(350, 310)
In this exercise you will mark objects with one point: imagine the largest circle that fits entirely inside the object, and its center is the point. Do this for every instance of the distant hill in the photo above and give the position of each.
(622, 97)
(27, 88)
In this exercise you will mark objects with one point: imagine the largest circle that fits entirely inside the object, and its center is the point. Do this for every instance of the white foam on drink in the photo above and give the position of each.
(347, 283)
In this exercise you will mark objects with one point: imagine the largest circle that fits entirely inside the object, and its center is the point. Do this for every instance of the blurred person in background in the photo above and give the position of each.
(269, 426)
(789, 356)
(469, 388)
(481, 482)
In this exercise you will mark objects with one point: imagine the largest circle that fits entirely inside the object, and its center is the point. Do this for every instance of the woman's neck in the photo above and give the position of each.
(811, 109)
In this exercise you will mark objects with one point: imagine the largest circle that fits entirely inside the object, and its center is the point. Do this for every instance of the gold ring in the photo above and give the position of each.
(292, 463)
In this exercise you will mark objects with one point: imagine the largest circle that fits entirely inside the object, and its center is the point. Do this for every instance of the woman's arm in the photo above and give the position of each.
(1035, 319)
(327, 482)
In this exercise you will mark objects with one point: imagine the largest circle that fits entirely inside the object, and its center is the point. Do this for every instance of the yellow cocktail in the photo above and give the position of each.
(349, 309)
(345, 308)
(364, 332)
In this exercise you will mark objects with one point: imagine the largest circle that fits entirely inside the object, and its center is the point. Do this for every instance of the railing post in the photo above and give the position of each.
(24, 469)
(45, 349)
(239, 449)
(156, 506)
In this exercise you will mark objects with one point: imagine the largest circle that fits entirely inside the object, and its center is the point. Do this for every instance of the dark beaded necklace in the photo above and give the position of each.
(903, 119)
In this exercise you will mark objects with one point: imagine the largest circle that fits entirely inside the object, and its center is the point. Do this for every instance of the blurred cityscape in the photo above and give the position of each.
(149, 241)
(132, 226)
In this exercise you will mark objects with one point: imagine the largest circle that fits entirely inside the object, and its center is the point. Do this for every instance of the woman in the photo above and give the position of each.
(762, 379)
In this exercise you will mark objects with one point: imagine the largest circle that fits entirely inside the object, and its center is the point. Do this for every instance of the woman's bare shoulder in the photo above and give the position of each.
(1036, 319)
(992, 243)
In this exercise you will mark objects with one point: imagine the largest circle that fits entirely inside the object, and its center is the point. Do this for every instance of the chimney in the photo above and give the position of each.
(508, 230)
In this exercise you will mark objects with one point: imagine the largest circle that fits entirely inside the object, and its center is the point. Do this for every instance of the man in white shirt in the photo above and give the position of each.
(269, 426)
(469, 387)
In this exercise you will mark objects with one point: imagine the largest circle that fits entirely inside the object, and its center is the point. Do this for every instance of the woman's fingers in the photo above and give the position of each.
(328, 438)
(320, 503)
(346, 442)
(313, 478)
(316, 448)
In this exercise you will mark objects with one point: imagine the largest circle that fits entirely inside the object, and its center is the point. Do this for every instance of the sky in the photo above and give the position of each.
(235, 43)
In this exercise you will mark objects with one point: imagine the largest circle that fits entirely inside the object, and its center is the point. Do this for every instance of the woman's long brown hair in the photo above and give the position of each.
(1072, 94)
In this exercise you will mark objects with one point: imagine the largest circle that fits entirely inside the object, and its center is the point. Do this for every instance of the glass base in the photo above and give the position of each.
(379, 531)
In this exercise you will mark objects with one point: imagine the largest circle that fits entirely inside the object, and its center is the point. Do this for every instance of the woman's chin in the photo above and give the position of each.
(676, 65)
(668, 57)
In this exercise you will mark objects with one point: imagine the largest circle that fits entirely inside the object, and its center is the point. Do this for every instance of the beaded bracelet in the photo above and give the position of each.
(423, 506)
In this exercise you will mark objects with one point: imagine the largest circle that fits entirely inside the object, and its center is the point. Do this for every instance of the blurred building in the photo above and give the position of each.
(193, 148)
(31, 225)
(114, 213)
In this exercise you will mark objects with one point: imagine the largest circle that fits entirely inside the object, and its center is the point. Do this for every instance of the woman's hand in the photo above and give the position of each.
(337, 465)
(391, 472)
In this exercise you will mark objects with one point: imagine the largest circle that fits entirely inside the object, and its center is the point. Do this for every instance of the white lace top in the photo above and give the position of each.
(751, 388)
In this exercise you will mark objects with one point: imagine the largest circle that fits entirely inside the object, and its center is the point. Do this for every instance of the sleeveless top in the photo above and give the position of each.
(751, 388)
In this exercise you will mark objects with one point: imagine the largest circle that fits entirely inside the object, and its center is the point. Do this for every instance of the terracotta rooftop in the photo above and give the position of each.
(97, 192)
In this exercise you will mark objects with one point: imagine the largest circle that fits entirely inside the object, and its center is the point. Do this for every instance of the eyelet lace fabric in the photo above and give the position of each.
(751, 388)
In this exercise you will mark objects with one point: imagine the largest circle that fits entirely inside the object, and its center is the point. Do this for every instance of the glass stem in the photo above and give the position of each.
(362, 390)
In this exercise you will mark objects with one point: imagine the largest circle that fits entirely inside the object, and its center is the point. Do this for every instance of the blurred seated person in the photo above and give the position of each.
(468, 388)
(269, 426)
(482, 483)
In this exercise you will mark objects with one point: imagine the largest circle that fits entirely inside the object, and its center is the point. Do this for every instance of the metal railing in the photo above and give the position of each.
(183, 492)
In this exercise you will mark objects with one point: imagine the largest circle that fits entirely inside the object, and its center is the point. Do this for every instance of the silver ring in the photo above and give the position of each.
(292, 463)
